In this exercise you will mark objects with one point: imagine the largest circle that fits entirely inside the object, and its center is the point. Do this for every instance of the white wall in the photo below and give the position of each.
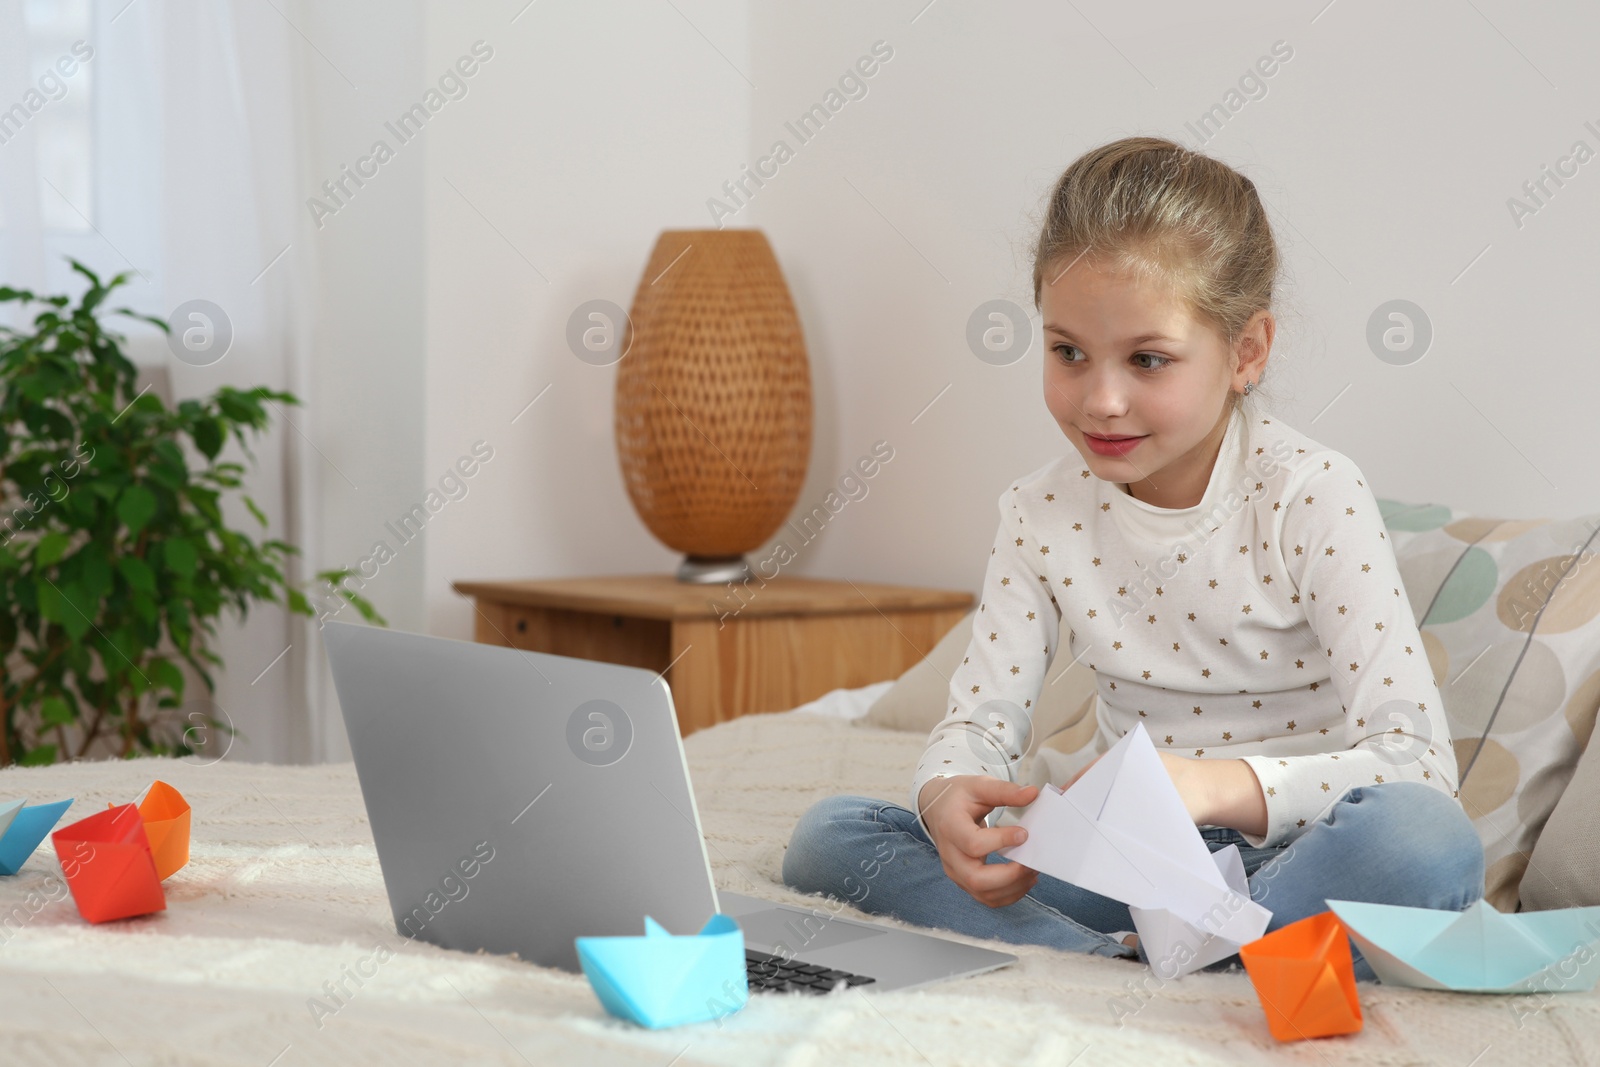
(1385, 148)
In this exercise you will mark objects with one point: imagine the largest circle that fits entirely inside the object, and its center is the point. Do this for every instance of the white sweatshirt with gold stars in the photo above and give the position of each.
(1267, 623)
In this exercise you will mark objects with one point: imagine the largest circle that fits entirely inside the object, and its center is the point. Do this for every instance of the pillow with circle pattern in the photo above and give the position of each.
(1509, 611)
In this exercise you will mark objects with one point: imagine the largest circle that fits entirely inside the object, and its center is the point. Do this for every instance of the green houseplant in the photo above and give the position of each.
(115, 559)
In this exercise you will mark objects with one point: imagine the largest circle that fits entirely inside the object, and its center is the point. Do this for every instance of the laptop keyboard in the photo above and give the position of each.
(775, 974)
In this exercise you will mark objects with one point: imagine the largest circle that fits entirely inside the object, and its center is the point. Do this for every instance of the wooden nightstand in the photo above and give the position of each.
(725, 652)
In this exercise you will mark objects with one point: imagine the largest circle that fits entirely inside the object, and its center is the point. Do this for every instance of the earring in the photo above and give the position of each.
(1248, 386)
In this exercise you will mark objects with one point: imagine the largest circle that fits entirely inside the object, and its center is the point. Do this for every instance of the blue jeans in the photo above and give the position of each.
(1397, 843)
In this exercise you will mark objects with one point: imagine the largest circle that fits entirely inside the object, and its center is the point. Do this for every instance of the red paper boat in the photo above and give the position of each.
(108, 865)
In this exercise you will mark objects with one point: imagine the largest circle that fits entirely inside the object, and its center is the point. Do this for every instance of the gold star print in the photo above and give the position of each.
(974, 689)
(1408, 650)
(1206, 673)
(1227, 735)
(1291, 724)
(1174, 646)
(1295, 599)
(1387, 680)
(1425, 774)
(1086, 474)
(1245, 609)
(1105, 507)
(1313, 686)
(1326, 464)
(1258, 485)
(1005, 581)
(1301, 822)
(1191, 616)
(1271, 792)
(1044, 550)
(1015, 669)
(1298, 550)
(1143, 714)
(1222, 640)
(1341, 609)
(1328, 551)
(1326, 787)
(1031, 616)
(1366, 566)
(1049, 496)
(1169, 739)
(992, 635)
(1243, 549)
(1152, 618)
(1199, 752)
(1363, 722)
(1158, 591)
(1091, 613)
(1213, 583)
(1147, 677)
(1353, 666)
(1182, 558)
(1308, 500)
(1197, 709)
(1283, 763)
(1378, 778)
(1077, 526)
(1122, 590)
(1066, 581)
(1266, 579)
(1255, 703)
(965, 658)
(1263, 653)
(1349, 511)
(1116, 644)
(1019, 542)
(1096, 561)
(1377, 626)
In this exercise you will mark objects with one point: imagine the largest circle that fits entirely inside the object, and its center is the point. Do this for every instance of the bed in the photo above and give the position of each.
(277, 948)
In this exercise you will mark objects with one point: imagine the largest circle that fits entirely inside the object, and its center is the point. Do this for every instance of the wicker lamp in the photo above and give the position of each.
(713, 416)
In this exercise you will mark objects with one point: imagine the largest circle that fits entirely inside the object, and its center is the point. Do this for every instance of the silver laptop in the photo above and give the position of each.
(519, 800)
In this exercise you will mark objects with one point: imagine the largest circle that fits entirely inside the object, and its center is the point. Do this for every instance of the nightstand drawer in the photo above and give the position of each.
(629, 640)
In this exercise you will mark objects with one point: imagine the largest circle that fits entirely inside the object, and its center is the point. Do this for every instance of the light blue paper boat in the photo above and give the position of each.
(22, 827)
(1478, 950)
(662, 979)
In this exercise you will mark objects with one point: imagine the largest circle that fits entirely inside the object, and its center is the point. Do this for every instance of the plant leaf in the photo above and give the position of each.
(137, 573)
(51, 547)
(135, 507)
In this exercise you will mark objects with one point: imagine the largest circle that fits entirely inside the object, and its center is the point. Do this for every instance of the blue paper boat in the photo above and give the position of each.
(1478, 950)
(662, 979)
(22, 827)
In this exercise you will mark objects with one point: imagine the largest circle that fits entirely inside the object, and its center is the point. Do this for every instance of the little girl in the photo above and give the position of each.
(1227, 578)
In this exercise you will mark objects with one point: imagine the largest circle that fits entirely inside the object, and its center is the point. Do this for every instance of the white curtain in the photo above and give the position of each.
(197, 148)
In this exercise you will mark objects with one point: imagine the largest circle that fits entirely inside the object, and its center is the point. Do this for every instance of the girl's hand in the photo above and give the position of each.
(1190, 776)
(953, 809)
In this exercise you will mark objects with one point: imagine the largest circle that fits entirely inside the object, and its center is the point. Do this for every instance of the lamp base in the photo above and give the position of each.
(713, 570)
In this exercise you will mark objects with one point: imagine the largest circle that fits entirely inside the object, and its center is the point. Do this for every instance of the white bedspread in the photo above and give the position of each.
(283, 894)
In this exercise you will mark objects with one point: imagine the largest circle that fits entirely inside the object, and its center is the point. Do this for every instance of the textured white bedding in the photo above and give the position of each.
(283, 898)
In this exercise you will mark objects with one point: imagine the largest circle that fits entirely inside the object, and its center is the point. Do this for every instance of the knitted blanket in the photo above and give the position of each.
(278, 948)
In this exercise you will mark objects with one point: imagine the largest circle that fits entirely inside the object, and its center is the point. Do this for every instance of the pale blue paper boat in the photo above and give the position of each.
(663, 979)
(22, 827)
(1478, 950)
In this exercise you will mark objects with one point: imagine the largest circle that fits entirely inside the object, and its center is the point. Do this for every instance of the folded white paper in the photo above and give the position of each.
(1122, 831)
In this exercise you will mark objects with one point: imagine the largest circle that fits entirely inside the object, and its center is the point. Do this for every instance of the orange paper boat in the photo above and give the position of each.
(108, 866)
(166, 825)
(1305, 978)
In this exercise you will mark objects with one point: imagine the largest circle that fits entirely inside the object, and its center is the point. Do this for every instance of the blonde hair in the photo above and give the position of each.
(1153, 209)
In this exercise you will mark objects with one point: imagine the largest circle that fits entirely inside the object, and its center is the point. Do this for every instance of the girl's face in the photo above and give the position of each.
(1123, 358)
